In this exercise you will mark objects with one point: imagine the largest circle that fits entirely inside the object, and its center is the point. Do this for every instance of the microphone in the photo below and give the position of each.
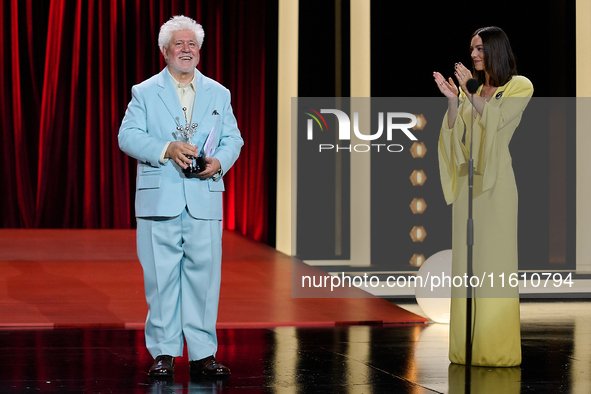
(472, 85)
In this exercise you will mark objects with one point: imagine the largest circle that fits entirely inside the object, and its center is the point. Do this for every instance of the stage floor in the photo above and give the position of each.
(381, 358)
(57, 278)
(72, 311)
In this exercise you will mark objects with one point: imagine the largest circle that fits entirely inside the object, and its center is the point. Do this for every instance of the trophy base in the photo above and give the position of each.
(194, 168)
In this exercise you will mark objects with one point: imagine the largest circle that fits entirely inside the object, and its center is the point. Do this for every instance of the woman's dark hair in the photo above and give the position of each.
(499, 61)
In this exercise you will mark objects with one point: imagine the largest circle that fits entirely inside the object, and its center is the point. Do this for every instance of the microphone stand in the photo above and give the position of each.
(470, 245)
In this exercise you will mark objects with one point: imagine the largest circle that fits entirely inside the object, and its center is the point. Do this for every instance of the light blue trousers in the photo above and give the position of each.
(181, 258)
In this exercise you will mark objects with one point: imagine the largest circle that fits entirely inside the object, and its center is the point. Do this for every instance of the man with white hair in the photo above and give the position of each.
(179, 216)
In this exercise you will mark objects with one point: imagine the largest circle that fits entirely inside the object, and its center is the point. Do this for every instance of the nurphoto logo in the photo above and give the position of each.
(392, 120)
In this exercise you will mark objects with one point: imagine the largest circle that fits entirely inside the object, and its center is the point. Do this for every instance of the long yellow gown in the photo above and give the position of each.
(496, 337)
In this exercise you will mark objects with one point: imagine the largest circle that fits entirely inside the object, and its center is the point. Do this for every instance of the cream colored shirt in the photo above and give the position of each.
(186, 95)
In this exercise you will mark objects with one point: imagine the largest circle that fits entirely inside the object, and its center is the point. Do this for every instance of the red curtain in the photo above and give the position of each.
(66, 73)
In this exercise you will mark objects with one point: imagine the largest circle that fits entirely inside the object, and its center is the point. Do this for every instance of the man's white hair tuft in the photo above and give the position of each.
(178, 23)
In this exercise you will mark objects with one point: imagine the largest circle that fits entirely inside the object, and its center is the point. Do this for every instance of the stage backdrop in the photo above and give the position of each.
(66, 72)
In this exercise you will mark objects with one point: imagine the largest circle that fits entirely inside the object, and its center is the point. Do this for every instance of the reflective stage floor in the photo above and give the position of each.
(407, 358)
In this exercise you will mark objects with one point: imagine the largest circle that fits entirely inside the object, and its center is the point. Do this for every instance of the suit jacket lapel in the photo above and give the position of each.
(202, 98)
(201, 105)
(170, 98)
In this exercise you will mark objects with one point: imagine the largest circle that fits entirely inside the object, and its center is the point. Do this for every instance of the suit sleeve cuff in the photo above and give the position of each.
(162, 159)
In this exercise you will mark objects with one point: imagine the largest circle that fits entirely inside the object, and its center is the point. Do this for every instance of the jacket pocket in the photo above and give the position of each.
(151, 181)
(216, 186)
(146, 168)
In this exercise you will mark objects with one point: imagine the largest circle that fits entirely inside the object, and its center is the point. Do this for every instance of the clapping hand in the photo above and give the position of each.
(463, 75)
(448, 88)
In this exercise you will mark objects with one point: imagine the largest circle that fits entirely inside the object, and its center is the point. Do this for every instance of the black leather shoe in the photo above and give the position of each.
(163, 367)
(208, 366)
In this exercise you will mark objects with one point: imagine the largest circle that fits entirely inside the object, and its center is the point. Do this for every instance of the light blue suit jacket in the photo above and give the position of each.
(162, 190)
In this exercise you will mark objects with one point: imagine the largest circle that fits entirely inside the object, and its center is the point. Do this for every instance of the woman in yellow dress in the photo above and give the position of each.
(495, 112)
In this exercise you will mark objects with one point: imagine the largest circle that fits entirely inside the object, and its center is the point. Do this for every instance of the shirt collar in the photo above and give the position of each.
(178, 85)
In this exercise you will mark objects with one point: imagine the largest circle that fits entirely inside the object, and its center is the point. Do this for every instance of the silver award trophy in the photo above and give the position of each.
(198, 163)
